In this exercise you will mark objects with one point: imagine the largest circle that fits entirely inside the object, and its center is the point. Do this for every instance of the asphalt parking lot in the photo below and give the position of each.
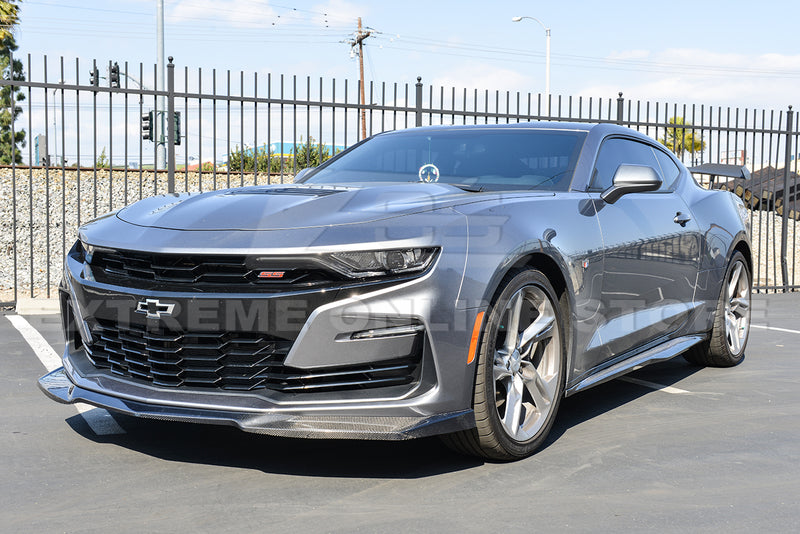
(671, 447)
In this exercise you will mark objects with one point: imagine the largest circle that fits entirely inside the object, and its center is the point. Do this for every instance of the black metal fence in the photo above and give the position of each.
(86, 155)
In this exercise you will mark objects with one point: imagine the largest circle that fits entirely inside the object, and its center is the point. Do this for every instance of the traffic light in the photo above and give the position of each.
(94, 77)
(114, 75)
(147, 126)
(177, 129)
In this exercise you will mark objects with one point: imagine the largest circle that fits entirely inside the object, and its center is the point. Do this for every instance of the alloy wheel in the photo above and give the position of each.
(737, 308)
(526, 363)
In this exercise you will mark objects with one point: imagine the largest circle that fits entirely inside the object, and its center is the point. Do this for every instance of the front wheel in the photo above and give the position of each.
(519, 380)
(728, 337)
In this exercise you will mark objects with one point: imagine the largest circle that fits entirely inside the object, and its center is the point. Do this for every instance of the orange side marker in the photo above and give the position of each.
(476, 334)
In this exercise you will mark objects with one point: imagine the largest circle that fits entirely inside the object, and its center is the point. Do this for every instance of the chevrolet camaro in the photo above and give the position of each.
(456, 281)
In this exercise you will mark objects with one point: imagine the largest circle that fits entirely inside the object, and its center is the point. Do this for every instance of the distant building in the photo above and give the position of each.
(736, 157)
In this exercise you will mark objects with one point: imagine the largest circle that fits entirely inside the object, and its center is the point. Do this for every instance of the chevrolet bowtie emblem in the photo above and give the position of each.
(154, 309)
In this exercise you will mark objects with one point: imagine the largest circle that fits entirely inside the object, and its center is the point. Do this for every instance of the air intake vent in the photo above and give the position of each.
(231, 361)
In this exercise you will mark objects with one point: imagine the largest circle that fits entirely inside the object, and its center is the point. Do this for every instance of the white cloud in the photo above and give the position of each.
(693, 76)
(484, 76)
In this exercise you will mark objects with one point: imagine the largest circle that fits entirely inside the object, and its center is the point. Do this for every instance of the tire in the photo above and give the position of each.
(519, 381)
(728, 337)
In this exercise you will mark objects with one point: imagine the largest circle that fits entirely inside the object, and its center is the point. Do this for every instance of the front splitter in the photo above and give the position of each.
(60, 388)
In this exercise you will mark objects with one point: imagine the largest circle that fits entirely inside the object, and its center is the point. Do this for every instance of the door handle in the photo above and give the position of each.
(682, 218)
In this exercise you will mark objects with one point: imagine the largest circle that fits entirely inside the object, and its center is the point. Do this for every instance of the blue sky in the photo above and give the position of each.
(721, 53)
(732, 53)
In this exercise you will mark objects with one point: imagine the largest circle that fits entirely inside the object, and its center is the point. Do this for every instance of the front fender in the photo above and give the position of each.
(558, 234)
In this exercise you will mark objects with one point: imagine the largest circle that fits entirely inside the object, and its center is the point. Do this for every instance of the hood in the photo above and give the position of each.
(276, 207)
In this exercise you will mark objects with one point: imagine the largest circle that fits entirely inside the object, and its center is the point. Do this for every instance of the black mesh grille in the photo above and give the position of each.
(197, 273)
(230, 360)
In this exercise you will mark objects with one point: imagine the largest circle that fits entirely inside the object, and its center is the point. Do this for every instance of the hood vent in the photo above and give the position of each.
(292, 190)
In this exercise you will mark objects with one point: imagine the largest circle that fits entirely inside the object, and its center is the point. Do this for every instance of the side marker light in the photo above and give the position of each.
(476, 334)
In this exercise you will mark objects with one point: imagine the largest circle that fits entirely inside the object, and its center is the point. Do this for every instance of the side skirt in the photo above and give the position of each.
(659, 353)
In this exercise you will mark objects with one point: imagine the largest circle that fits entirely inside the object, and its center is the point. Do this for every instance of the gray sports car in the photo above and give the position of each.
(444, 280)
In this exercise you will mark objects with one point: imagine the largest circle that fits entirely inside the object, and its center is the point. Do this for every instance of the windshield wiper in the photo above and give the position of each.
(466, 187)
(551, 178)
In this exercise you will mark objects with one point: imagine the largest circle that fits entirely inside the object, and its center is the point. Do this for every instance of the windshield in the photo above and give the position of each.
(478, 158)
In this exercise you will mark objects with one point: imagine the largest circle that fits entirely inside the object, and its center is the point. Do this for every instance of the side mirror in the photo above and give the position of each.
(631, 179)
(301, 173)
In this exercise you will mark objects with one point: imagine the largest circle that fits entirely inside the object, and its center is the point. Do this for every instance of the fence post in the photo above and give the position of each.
(785, 215)
(419, 101)
(170, 126)
(11, 106)
(620, 109)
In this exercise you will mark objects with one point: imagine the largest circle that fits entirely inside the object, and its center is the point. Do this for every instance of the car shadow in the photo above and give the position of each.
(419, 458)
(230, 447)
(606, 397)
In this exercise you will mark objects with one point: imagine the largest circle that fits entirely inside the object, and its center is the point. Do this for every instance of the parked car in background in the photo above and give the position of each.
(457, 281)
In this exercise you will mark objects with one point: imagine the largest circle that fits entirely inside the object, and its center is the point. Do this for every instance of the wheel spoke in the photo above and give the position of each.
(733, 333)
(539, 329)
(734, 281)
(513, 405)
(512, 327)
(739, 306)
(541, 390)
(500, 369)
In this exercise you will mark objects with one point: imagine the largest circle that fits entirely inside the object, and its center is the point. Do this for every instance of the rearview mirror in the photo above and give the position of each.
(631, 179)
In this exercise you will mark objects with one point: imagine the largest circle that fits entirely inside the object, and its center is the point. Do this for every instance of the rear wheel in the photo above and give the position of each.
(520, 374)
(728, 337)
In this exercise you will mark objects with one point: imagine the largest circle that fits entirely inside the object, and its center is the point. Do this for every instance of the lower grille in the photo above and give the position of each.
(230, 360)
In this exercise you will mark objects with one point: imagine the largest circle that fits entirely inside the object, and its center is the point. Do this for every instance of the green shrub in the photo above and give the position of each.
(309, 154)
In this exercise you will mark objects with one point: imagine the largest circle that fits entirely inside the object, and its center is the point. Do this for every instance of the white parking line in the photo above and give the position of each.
(774, 328)
(653, 385)
(98, 419)
(40, 346)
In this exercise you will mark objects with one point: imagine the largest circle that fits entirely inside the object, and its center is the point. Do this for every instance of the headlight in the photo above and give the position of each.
(360, 264)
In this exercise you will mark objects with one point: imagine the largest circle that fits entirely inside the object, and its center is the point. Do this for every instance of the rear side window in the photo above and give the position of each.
(669, 170)
(615, 152)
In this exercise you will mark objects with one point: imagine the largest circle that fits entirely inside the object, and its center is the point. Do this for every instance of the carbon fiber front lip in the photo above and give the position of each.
(60, 388)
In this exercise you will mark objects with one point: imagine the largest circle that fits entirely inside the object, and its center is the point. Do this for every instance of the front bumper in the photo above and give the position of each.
(339, 378)
(60, 388)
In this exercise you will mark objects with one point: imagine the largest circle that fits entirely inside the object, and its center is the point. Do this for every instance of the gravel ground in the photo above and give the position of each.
(56, 206)
(54, 228)
(765, 239)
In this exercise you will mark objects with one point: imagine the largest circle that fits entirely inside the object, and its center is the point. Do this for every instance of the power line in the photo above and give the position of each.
(303, 28)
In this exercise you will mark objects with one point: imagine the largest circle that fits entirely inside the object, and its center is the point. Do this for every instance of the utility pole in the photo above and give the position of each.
(361, 35)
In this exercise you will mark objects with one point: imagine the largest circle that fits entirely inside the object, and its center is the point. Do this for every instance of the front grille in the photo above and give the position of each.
(229, 360)
(198, 273)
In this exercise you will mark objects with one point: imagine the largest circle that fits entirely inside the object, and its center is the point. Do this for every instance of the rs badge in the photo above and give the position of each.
(271, 274)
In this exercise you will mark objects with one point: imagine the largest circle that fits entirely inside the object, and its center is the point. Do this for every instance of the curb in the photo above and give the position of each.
(28, 306)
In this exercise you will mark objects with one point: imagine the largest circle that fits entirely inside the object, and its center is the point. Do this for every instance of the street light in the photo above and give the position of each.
(547, 59)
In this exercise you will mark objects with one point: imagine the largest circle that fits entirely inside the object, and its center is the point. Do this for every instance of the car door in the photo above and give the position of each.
(650, 251)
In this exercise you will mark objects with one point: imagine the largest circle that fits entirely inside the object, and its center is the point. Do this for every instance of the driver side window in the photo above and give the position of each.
(613, 153)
